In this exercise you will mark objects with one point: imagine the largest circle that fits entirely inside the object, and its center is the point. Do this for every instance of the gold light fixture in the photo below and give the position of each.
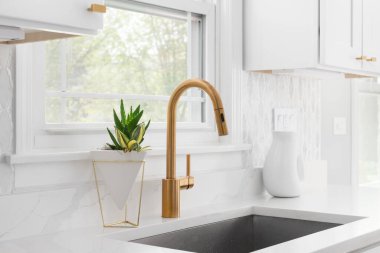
(98, 8)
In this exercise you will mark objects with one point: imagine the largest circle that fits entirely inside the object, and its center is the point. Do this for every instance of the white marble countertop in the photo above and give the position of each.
(358, 209)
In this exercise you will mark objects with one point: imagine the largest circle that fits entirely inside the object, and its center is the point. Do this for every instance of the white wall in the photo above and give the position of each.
(336, 149)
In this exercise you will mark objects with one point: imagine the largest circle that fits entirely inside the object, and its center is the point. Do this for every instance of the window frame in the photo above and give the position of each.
(29, 123)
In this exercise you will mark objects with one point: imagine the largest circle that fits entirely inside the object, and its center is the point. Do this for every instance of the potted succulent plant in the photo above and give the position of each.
(119, 162)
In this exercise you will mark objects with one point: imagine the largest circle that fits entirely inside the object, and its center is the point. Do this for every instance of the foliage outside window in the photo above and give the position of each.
(138, 57)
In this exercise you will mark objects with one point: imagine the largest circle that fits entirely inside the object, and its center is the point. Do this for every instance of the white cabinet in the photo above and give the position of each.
(274, 34)
(371, 35)
(340, 33)
(374, 248)
(68, 16)
(330, 35)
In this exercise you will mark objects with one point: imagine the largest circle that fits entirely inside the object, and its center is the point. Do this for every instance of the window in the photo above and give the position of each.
(367, 121)
(369, 139)
(66, 89)
(141, 55)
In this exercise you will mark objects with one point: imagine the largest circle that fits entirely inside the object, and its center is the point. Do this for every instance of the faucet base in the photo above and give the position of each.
(171, 198)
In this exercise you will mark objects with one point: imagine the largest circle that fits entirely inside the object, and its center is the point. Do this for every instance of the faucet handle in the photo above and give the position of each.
(188, 167)
(188, 181)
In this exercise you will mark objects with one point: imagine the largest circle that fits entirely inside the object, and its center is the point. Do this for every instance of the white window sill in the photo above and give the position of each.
(100, 128)
(156, 151)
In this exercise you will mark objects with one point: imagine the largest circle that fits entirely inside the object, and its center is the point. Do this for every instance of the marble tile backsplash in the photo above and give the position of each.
(7, 77)
(7, 94)
(50, 211)
(261, 93)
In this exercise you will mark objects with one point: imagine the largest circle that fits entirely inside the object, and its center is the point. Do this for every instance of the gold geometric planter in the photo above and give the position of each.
(113, 173)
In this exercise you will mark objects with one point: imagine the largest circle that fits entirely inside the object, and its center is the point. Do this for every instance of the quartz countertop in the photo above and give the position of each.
(357, 208)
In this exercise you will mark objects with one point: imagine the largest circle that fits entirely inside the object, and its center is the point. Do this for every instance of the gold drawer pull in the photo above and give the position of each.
(98, 8)
(372, 59)
(362, 58)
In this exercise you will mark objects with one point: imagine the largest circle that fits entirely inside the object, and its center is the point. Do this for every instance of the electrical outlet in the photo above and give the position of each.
(285, 119)
(340, 126)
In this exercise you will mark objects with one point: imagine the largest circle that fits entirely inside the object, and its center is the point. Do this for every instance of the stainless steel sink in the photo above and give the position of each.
(240, 235)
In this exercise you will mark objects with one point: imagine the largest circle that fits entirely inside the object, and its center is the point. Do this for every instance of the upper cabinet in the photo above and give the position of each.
(330, 35)
(371, 35)
(341, 33)
(67, 17)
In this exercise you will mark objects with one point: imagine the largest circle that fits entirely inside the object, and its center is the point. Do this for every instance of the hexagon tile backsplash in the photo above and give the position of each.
(7, 74)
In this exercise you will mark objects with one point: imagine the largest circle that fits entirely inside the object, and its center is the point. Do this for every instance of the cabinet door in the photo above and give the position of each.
(371, 35)
(68, 16)
(280, 34)
(341, 33)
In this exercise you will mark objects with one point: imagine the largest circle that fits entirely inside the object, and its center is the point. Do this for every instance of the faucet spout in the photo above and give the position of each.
(171, 185)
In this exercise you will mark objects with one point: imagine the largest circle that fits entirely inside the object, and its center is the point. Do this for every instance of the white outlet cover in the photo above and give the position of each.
(285, 119)
(340, 126)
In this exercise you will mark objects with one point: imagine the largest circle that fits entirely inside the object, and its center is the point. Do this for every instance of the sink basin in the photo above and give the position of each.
(239, 235)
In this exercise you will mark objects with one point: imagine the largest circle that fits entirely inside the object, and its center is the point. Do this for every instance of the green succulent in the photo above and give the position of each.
(129, 131)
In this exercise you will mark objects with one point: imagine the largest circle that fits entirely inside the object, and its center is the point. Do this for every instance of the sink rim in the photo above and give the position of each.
(250, 233)
(157, 226)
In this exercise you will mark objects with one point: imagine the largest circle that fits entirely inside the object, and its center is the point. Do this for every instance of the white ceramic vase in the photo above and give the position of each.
(281, 172)
(118, 171)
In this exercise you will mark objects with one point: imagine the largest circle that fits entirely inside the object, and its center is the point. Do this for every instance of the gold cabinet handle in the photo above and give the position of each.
(362, 58)
(98, 8)
(372, 59)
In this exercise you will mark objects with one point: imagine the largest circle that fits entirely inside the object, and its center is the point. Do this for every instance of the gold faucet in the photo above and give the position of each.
(171, 186)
